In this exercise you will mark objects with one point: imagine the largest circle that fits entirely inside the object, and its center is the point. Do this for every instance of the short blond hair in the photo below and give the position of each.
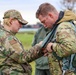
(6, 21)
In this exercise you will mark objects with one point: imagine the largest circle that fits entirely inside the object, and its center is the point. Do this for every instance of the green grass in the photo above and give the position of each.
(26, 39)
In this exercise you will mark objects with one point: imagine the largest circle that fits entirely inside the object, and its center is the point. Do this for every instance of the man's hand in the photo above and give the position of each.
(40, 43)
(49, 47)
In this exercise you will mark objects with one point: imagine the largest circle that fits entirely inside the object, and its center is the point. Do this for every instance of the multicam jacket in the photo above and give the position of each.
(65, 42)
(13, 57)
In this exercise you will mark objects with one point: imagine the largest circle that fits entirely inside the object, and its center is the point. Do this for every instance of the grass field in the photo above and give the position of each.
(26, 39)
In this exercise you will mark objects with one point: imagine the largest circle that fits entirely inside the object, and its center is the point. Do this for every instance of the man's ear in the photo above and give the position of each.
(10, 20)
(50, 14)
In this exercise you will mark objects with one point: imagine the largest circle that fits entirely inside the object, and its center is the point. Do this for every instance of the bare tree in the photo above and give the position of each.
(68, 4)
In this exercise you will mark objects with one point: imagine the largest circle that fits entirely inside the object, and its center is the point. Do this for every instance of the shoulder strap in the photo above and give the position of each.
(49, 37)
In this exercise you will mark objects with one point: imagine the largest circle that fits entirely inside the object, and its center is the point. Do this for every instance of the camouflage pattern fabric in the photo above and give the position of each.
(69, 73)
(15, 14)
(54, 65)
(13, 58)
(65, 43)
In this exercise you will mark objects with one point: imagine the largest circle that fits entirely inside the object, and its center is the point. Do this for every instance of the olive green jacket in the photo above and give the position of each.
(42, 62)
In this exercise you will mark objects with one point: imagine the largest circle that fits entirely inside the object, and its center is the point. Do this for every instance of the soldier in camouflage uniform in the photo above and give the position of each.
(13, 58)
(64, 40)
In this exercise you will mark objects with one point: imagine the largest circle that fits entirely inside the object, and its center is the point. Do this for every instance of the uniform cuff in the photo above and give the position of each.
(54, 47)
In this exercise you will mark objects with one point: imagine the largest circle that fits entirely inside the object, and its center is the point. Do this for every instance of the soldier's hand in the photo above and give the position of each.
(40, 43)
(45, 52)
(49, 47)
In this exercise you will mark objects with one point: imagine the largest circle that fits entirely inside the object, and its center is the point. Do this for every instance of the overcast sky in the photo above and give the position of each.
(26, 7)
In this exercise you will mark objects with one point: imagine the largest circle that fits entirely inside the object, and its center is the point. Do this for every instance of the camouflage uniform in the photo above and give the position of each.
(65, 42)
(13, 58)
